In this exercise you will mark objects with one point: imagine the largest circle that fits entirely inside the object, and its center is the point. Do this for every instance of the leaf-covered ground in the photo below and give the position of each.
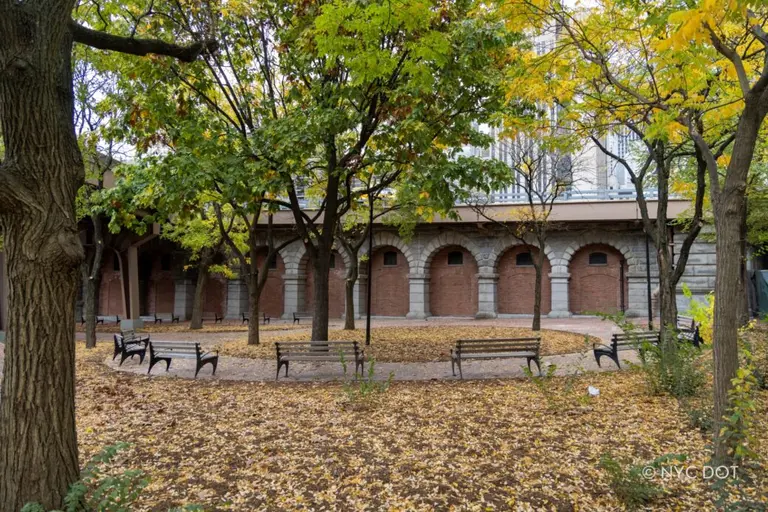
(494, 445)
(415, 344)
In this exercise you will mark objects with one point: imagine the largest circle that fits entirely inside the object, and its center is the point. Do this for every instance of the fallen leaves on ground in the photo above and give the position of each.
(416, 344)
(484, 445)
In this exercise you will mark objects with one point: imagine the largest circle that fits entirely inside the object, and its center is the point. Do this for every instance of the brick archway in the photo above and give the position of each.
(453, 287)
(390, 293)
(597, 287)
(517, 281)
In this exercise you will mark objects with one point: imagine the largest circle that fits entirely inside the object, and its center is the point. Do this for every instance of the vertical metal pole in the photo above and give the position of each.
(648, 282)
(370, 276)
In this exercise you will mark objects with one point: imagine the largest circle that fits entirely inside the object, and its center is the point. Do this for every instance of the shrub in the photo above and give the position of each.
(673, 368)
(630, 482)
(364, 388)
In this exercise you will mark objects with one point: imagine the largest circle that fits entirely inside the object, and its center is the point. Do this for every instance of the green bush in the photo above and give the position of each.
(673, 368)
(97, 491)
(630, 482)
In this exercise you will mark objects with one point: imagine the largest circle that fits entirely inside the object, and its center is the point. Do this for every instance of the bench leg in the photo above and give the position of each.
(538, 365)
(153, 362)
(453, 367)
(214, 362)
(597, 358)
(461, 374)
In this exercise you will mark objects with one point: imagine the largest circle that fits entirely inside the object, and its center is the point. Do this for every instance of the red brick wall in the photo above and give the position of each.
(161, 289)
(110, 292)
(596, 288)
(272, 296)
(453, 288)
(215, 300)
(515, 290)
(390, 295)
(336, 278)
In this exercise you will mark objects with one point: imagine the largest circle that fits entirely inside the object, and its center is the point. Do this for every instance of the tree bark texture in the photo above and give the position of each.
(353, 274)
(39, 178)
(197, 305)
(536, 325)
(729, 202)
(321, 265)
(92, 282)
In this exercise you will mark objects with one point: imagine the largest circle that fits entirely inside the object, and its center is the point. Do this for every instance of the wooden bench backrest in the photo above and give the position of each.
(498, 345)
(318, 347)
(180, 347)
(635, 337)
(686, 322)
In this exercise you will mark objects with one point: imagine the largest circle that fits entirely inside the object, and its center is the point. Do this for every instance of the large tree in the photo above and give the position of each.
(40, 174)
(319, 93)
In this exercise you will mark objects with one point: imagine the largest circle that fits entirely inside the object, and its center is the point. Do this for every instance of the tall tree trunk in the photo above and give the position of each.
(729, 201)
(353, 273)
(197, 305)
(39, 178)
(254, 294)
(537, 291)
(321, 265)
(667, 296)
(90, 303)
(92, 282)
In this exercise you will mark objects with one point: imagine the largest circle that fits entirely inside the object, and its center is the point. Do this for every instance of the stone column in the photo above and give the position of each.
(237, 299)
(184, 298)
(560, 304)
(295, 284)
(486, 295)
(360, 296)
(419, 296)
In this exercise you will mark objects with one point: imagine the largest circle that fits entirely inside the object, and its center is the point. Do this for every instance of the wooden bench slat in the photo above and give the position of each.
(308, 351)
(169, 350)
(496, 348)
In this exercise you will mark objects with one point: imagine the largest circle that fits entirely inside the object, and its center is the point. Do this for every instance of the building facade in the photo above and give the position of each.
(595, 263)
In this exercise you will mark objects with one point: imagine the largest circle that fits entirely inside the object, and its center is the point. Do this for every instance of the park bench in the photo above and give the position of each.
(169, 350)
(127, 346)
(318, 351)
(170, 317)
(297, 317)
(108, 318)
(98, 320)
(264, 318)
(496, 348)
(624, 341)
(688, 330)
(212, 316)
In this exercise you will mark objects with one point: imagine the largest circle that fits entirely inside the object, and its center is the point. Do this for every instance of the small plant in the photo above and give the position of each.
(670, 367)
(364, 388)
(673, 368)
(700, 419)
(737, 425)
(631, 482)
(98, 491)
